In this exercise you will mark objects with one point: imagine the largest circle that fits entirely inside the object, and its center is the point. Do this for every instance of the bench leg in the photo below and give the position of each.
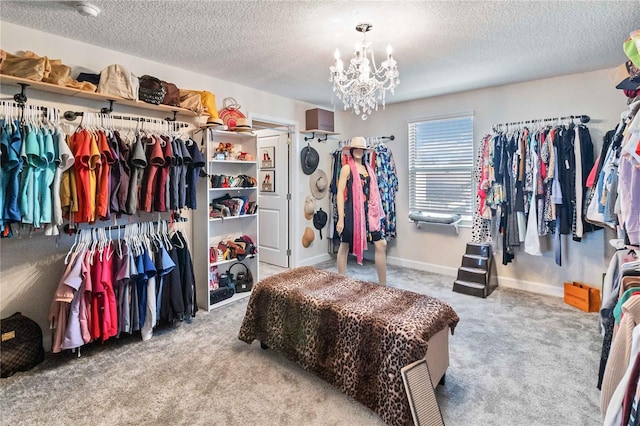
(442, 379)
(264, 346)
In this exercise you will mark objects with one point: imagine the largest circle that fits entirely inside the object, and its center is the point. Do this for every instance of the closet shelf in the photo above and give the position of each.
(224, 262)
(221, 219)
(233, 162)
(316, 132)
(69, 91)
(235, 188)
(319, 132)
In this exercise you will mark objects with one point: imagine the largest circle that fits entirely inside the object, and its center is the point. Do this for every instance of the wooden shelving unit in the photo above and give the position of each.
(77, 93)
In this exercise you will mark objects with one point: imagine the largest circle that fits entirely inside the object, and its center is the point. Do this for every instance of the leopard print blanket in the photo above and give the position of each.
(353, 334)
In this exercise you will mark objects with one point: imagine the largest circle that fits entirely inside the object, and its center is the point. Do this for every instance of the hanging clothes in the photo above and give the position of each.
(122, 286)
(385, 168)
(533, 180)
(380, 159)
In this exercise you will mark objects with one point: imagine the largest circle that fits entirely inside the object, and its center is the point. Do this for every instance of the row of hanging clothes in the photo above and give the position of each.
(105, 166)
(118, 285)
(31, 139)
(619, 373)
(532, 183)
(616, 204)
(380, 157)
(615, 201)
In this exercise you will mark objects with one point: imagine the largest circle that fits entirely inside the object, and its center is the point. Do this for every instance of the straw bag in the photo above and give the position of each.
(230, 112)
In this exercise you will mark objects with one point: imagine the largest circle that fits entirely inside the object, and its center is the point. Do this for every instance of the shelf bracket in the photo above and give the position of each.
(21, 98)
(308, 138)
(175, 116)
(455, 225)
(326, 136)
(72, 115)
(109, 110)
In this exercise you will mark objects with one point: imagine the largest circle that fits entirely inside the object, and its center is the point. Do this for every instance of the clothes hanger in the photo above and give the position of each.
(73, 246)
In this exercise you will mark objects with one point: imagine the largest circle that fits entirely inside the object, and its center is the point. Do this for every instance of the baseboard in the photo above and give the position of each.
(315, 260)
(423, 266)
(531, 286)
(504, 282)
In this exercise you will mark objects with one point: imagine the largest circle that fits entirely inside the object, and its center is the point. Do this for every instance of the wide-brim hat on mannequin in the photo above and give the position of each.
(356, 142)
(319, 184)
(309, 207)
(309, 159)
(308, 237)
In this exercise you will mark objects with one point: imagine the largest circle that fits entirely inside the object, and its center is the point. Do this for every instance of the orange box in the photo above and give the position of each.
(582, 296)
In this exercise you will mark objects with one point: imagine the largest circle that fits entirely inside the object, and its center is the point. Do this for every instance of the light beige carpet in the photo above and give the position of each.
(516, 359)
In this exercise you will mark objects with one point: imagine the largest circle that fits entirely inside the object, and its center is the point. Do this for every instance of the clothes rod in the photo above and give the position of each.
(583, 119)
(10, 104)
(70, 230)
(72, 115)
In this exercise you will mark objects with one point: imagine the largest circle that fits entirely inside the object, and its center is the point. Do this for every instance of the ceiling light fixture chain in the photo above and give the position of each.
(362, 85)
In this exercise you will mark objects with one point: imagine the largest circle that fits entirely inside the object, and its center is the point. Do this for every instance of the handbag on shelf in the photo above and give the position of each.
(226, 280)
(230, 112)
(220, 294)
(243, 280)
(151, 90)
(172, 94)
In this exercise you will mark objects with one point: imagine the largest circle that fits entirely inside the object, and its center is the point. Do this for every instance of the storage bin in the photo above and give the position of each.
(319, 119)
(582, 296)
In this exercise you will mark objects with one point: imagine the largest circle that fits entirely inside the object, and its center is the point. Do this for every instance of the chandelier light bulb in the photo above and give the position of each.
(362, 84)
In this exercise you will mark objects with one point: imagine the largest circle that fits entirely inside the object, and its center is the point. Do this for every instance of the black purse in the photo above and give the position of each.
(243, 280)
(226, 280)
(151, 90)
(21, 347)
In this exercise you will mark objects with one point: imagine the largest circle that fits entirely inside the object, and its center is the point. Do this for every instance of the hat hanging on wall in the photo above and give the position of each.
(309, 207)
(320, 220)
(356, 142)
(309, 159)
(307, 237)
(319, 184)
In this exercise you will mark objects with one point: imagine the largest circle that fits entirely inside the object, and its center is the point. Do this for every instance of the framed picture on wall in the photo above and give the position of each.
(268, 157)
(268, 181)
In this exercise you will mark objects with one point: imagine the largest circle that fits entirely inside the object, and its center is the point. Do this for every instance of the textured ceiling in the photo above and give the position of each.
(286, 47)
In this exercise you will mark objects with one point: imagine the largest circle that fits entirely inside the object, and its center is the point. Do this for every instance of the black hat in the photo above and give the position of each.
(320, 220)
(309, 159)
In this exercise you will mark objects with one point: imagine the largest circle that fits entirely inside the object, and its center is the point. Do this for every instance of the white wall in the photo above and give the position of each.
(438, 248)
(30, 267)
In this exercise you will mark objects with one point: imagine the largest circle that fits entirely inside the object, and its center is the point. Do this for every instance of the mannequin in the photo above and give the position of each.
(359, 211)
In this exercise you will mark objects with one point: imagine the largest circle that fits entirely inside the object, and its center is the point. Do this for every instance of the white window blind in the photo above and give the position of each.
(441, 165)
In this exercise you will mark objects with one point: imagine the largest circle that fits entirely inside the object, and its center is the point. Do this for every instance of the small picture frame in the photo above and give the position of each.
(267, 181)
(268, 157)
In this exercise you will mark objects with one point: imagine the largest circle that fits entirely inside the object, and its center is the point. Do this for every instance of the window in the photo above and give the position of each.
(441, 165)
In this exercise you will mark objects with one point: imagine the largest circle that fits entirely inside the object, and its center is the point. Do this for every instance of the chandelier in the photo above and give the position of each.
(362, 85)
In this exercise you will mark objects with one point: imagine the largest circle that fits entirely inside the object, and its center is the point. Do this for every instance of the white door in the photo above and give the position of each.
(273, 203)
